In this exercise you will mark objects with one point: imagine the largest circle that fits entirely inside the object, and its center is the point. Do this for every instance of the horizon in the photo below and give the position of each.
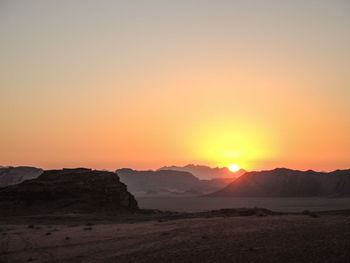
(257, 84)
(177, 166)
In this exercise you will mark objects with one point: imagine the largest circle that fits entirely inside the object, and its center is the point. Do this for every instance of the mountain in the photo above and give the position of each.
(68, 190)
(283, 182)
(206, 172)
(168, 182)
(15, 175)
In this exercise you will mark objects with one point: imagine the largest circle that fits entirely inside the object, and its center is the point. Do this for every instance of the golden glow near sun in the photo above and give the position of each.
(219, 143)
(233, 167)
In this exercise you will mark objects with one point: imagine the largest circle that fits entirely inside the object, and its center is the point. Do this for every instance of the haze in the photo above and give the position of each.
(144, 84)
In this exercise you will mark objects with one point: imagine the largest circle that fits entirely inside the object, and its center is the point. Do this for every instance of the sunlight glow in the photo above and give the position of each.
(219, 142)
(233, 167)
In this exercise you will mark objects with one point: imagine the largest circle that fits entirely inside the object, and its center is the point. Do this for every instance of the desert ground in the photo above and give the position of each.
(200, 238)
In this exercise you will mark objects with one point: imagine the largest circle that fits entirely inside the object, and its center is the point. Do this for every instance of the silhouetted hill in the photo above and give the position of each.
(283, 182)
(15, 175)
(72, 190)
(206, 172)
(168, 182)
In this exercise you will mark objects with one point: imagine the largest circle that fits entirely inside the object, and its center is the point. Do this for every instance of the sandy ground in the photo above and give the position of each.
(278, 238)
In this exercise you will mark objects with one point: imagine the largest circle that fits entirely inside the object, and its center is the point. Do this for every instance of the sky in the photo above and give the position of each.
(142, 84)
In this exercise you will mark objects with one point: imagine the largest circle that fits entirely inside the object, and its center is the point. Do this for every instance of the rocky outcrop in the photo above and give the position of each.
(70, 190)
(283, 182)
(15, 175)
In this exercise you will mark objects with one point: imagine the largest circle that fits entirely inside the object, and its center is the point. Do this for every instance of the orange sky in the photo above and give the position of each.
(128, 84)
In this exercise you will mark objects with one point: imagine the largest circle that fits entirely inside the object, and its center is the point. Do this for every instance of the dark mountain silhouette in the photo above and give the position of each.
(167, 182)
(283, 182)
(15, 175)
(206, 172)
(71, 190)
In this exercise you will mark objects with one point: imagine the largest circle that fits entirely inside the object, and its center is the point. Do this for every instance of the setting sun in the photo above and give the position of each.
(233, 167)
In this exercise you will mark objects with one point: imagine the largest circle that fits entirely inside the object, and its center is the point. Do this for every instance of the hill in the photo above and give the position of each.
(283, 182)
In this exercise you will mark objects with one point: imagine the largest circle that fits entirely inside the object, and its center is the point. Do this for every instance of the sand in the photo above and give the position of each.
(273, 238)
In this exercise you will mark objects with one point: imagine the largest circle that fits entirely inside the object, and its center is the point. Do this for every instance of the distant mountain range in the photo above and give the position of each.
(161, 182)
(280, 182)
(168, 182)
(206, 172)
(283, 182)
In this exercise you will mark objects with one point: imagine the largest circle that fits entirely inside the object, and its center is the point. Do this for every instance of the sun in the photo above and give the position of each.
(233, 167)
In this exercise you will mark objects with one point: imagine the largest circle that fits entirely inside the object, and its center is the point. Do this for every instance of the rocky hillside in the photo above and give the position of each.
(283, 182)
(205, 172)
(70, 190)
(168, 182)
(16, 175)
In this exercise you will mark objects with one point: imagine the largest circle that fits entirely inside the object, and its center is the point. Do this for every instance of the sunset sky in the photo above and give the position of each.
(142, 84)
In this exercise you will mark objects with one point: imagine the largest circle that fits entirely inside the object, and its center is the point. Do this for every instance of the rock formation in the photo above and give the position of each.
(68, 190)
